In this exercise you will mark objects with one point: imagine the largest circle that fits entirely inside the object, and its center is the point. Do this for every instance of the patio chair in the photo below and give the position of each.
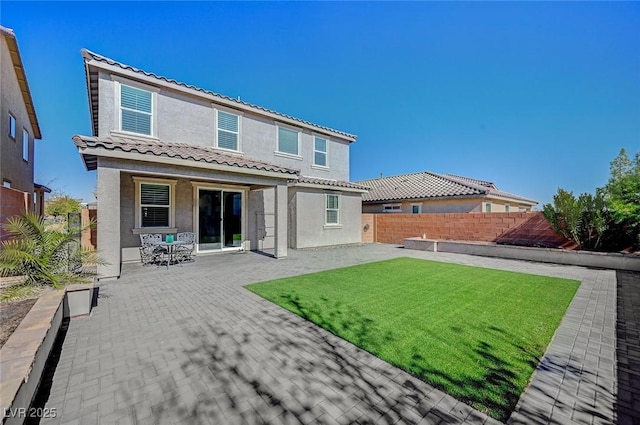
(150, 252)
(185, 252)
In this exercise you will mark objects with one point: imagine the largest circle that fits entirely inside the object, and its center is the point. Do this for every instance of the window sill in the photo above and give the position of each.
(332, 226)
(288, 155)
(120, 133)
(162, 230)
(229, 151)
(320, 167)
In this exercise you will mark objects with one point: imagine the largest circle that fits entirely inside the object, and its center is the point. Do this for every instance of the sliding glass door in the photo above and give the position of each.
(219, 219)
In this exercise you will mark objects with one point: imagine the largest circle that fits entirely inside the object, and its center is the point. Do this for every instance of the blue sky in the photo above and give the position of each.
(533, 96)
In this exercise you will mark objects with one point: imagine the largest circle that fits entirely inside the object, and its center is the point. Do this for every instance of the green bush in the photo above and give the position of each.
(582, 220)
(608, 220)
(44, 255)
(623, 195)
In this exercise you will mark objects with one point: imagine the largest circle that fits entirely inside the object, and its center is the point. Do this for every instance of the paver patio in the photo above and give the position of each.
(191, 345)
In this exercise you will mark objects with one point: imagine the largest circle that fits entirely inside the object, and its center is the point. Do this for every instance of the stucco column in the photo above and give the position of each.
(281, 211)
(109, 221)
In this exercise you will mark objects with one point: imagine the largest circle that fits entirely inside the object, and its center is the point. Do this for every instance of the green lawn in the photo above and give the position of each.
(475, 333)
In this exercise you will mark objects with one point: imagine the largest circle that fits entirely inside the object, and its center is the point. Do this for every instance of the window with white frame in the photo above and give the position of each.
(155, 204)
(332, 215)
(416, 208)
(228, 131)
(288, 141)
(320, 151)
(487, 207)
(136, 110)
(25, 145)
(506, 208)
(12, 127)
(392, 208)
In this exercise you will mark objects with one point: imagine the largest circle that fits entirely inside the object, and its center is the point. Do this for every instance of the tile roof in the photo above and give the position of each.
(428, 185)
(473, 181)
(89, 55)
(16, 59)
(171, 150)
(329, 182)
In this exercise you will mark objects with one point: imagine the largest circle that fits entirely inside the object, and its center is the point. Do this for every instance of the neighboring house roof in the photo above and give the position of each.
(330, 182)
(428, 185)
(22, 79)
(473, 181)
(171, 150)
(41, 187)
(92, 86)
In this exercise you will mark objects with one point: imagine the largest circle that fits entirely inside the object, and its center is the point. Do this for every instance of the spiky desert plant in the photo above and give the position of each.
(45, 256)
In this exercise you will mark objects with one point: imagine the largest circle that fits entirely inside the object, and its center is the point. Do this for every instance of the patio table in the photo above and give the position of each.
(171, 249)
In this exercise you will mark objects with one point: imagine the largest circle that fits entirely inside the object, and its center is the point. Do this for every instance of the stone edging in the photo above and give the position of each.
(604, 260)
(23, 356)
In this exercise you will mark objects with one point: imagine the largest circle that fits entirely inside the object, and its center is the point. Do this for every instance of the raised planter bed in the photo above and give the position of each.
(23, 356)
(605, 260)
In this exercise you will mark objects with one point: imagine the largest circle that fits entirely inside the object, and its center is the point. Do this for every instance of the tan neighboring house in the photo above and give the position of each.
(428, 192)
(18, 131)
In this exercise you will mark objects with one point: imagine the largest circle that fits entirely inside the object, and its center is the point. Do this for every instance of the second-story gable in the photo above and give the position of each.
(127, 102)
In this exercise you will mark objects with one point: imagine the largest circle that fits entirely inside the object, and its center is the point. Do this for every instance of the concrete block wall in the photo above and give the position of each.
(368, 228)
(529, 229)
(12, 203)
(89, 237)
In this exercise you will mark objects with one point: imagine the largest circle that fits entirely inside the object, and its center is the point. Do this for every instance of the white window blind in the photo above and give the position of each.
(287, 141)
(228, 131)
(136, 110)
(155, 204)
(320, 151)
(333, 210)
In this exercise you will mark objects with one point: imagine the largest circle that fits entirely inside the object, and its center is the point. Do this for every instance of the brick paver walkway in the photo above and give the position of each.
(190, 345)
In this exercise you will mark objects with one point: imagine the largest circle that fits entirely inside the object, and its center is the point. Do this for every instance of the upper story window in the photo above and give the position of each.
(320, 151)
(6, 183)
(136, 110)
(12, 127)
(288, 141)
(25, 145)
(228, 131)
(332, 215)
(506, 208)
(416, 208)
(487, 207)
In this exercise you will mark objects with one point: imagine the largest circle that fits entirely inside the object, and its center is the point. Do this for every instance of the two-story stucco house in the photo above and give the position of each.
(171, 157)
(19, 129)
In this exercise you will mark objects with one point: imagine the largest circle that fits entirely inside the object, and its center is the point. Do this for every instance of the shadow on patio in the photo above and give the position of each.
(305, 375)
(628, 348)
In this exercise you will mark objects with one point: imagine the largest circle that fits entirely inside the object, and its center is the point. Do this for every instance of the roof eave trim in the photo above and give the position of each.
(512, 198)
(89, 61)
(26, 92)
(135, 156)
(422, 198)
(327, 187)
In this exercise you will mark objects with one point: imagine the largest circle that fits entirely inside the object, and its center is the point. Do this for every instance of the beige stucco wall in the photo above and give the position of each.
(461, 205)
(12, 167)
(182, 118)
(307, 219)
